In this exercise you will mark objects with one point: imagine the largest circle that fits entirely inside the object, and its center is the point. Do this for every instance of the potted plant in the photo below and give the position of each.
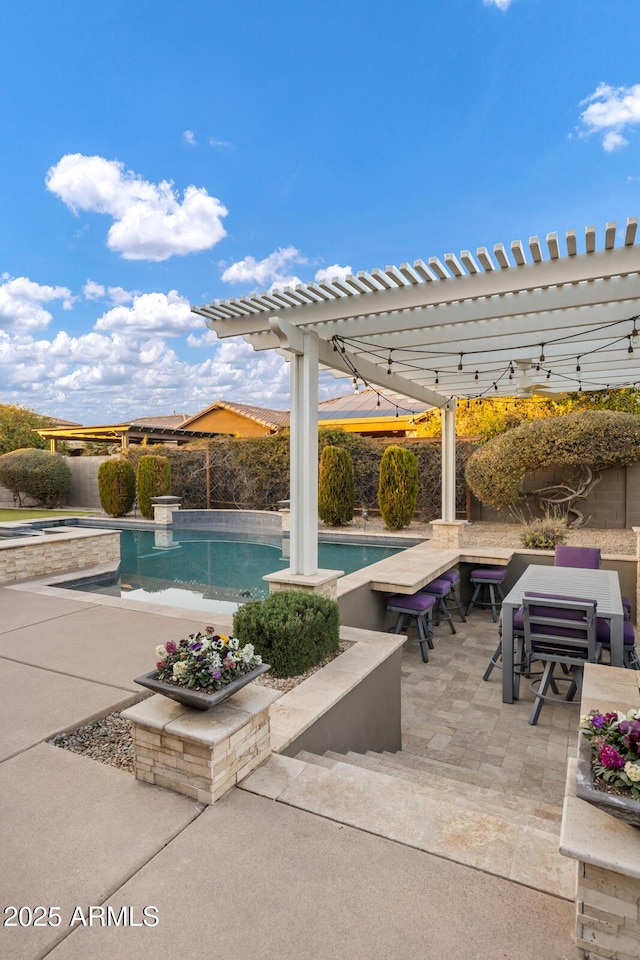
(609, 763)
(204, 669)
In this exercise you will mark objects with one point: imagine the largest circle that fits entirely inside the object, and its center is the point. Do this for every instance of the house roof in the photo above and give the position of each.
(273, 419)
(369, 403)
(547, 316)
(172, 420)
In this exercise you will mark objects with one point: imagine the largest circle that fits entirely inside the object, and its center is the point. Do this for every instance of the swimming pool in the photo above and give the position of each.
(209, 570)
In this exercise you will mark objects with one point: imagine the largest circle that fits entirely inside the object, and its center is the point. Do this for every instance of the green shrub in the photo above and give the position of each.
(543, 534)
(117, 487)
(291, 630)
(336, 495)
(398, 487)
(153, 479)
(42, 475)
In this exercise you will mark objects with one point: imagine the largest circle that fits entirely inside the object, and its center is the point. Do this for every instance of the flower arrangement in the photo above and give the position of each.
(205, 661)
(615, 739)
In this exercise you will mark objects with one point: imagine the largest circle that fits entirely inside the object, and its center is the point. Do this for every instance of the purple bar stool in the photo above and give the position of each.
(487, 583)
(454, 579)
(418, 606)
(440, 589)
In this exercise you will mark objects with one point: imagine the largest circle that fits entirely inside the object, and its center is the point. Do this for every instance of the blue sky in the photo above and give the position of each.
(160, 154)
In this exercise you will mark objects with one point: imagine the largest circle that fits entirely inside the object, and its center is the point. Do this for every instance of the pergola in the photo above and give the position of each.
(507, 322)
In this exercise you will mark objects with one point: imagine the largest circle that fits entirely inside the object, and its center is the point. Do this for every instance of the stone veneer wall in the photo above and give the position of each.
(52, 553)
(608, 914)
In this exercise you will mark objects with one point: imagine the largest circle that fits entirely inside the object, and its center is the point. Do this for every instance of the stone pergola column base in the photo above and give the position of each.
(323, 582)
(164, 508)
(447, 534)
(201, 753)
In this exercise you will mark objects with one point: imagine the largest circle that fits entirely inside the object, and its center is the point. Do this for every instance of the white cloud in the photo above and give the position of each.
(333, 272)
(189, 137)
(214, 142)
(611, 111)
(613, 141)
(273, 271)
(162, 314)
(501, 4)
(150, 221)
(119, 295)
(21, 303)
(93, 290)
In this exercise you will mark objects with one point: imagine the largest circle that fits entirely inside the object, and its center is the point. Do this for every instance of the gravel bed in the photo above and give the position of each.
(109, 740)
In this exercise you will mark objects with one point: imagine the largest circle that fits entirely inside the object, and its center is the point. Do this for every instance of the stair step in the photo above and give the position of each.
(514, 807)
(319, 761)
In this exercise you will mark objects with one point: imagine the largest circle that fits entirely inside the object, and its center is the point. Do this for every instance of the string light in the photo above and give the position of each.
(630, 347)
(437, 378)
(541, 353)
(578, 368)
(476, 377)
(389, 363)
(460, 363)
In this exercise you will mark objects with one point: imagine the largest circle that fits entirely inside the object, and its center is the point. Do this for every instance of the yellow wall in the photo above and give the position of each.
(225, 421)
(373, 425)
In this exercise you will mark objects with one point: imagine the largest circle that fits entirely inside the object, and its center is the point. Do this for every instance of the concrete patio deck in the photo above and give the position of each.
(248, 877)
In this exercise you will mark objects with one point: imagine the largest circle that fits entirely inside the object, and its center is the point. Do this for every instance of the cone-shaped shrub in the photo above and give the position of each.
(291, 630)
(117, 487)
(153, 479)
(398, 487)
(336, 494)
(40, 474)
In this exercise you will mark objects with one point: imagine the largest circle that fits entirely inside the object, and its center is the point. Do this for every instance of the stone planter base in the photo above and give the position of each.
(201, 754)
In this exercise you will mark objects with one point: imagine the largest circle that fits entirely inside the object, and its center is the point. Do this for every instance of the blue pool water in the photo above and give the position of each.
(207, 570)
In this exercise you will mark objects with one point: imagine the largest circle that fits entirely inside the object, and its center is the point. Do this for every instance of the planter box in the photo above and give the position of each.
(624, 808)
(198, 699)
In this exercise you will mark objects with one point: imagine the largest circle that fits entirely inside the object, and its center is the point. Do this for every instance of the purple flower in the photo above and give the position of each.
(170, 646)
(610, 758)
(217, 675)
(597, 721)
(196, 645)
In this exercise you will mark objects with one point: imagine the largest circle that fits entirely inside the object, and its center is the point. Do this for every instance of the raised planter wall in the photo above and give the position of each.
(57, 552)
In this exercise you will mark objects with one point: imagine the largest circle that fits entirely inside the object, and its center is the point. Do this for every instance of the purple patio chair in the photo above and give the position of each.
(561, 631)
(587, 558)
(487, 592)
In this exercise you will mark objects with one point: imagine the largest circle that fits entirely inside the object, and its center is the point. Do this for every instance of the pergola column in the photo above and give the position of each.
(304, 457)
(448, 415)
(447, 532)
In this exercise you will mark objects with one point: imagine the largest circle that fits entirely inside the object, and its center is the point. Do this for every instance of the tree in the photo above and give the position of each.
(117, 487)
(18, 428)
(42, 475)
(582, 444)
(153, 479)
(398, 487)
(336, 496)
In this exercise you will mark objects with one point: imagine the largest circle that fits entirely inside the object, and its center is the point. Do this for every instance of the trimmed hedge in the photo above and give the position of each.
(40, 474)
(336, 493)
(291, 630)
(253, 473)
(117, 487)
(398, 487)
(153, 479)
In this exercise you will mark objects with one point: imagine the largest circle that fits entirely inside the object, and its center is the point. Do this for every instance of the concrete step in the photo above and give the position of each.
(436, 815)
(515, 808)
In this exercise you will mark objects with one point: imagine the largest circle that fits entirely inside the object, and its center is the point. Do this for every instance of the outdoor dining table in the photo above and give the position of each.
(603, 586)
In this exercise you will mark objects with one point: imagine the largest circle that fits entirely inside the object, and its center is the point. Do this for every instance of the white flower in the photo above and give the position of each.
(234, 643)
(632, 770)
(247, 652)
(214, 661)
(161, 653)
(179, 670)
(205, 641)
(631, 715)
